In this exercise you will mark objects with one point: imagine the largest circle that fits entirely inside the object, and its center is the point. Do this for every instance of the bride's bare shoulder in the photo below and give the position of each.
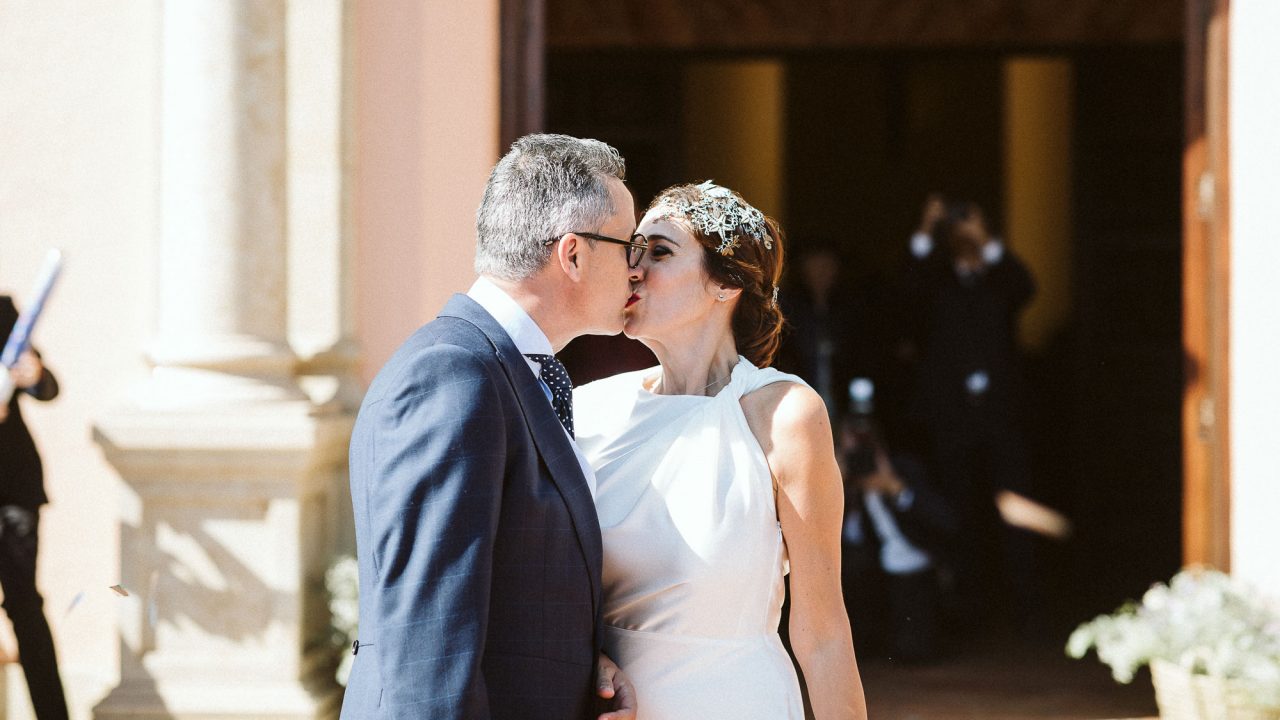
(786, 413)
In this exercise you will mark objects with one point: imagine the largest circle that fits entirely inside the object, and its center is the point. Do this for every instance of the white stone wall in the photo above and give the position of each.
(426, 122)
(1255, 291)
(81, 139)
(78, 171)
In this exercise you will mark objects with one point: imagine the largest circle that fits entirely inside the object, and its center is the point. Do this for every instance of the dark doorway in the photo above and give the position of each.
(861, 155)
(1125, 341)
(868, 134)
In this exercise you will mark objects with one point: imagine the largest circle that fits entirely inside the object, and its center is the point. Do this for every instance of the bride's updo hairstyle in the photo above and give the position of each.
(741, 248)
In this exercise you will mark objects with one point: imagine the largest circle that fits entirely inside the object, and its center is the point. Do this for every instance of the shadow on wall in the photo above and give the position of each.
(205, 614)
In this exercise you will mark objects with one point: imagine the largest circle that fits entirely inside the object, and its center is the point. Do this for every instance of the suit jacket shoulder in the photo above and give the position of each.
(414, 362)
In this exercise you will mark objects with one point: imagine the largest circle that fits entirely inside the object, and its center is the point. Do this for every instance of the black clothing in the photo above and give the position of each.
(21, 495)
(19, 537)
(896, 614)
(962, 325)
(967, 399)
(21, 473)
(928, 522)
(827, 346)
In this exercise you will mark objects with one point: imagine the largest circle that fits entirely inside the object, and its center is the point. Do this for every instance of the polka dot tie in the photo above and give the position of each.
(556, 378)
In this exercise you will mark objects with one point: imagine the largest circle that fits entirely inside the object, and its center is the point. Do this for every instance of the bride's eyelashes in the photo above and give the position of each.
(659, 251)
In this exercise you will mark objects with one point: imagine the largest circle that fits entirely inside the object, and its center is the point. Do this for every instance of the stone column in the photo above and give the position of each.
(321, 224)
(227, 464)
(222, 315)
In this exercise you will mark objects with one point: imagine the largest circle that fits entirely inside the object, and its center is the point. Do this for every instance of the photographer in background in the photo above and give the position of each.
(21, 495)
(895, 531)
(963, 291)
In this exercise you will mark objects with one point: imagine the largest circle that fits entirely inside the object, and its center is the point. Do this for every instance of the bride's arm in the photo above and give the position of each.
(791, 422)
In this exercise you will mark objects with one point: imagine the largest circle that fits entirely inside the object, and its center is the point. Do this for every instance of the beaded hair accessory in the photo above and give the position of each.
(721, 211)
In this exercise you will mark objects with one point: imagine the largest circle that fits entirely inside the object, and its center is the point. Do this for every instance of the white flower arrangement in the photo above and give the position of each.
(1203, 621)
(343, 583)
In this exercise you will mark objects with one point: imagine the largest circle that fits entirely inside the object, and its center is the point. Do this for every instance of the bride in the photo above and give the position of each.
(716, 477)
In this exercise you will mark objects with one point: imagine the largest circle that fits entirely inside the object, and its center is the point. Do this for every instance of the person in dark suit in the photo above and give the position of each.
(477, 539)
(895, 540)
(21, 495)
(966, 289)
(828, 340)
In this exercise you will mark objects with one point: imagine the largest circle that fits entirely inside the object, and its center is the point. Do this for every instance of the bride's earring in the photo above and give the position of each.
(721, 297)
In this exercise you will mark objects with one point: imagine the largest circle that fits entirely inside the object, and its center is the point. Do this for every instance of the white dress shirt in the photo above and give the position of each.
(529, 340)
(898, 555)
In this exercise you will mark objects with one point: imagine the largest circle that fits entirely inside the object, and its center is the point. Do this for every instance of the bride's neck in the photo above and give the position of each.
(699, 365)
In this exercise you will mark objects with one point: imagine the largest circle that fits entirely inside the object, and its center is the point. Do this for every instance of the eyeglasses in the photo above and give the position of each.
(636, 246)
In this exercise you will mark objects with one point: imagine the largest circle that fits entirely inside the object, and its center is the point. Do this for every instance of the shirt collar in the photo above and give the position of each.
(524, 332)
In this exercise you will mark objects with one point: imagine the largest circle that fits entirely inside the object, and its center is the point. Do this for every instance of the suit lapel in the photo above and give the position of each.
(548, 435)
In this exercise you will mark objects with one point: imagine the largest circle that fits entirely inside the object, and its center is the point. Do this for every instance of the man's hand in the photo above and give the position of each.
(612, 684)
(27, 371)
(884, 480)
(934, 210)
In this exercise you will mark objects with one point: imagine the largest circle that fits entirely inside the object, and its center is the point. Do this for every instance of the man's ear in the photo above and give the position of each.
(568, 254)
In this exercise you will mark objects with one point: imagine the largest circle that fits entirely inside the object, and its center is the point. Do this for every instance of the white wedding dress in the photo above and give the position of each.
(693, 553)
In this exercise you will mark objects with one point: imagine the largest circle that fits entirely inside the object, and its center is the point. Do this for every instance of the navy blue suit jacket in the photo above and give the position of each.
(476, 536)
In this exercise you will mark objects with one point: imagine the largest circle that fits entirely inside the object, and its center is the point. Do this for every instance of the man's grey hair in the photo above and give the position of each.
(545, 187)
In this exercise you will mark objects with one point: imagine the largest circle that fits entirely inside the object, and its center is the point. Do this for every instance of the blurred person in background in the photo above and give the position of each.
(821, 318)
(827, 338)
(897, 529)
(963, 292)
(21, 495)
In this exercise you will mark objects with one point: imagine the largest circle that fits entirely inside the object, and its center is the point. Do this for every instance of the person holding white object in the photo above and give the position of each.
(21, 495)
(964, 290)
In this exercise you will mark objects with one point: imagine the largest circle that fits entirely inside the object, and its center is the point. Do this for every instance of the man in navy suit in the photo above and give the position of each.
(476, 534)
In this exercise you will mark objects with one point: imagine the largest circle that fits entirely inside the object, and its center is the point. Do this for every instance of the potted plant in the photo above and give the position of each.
(342, 583)
(1212, 642)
